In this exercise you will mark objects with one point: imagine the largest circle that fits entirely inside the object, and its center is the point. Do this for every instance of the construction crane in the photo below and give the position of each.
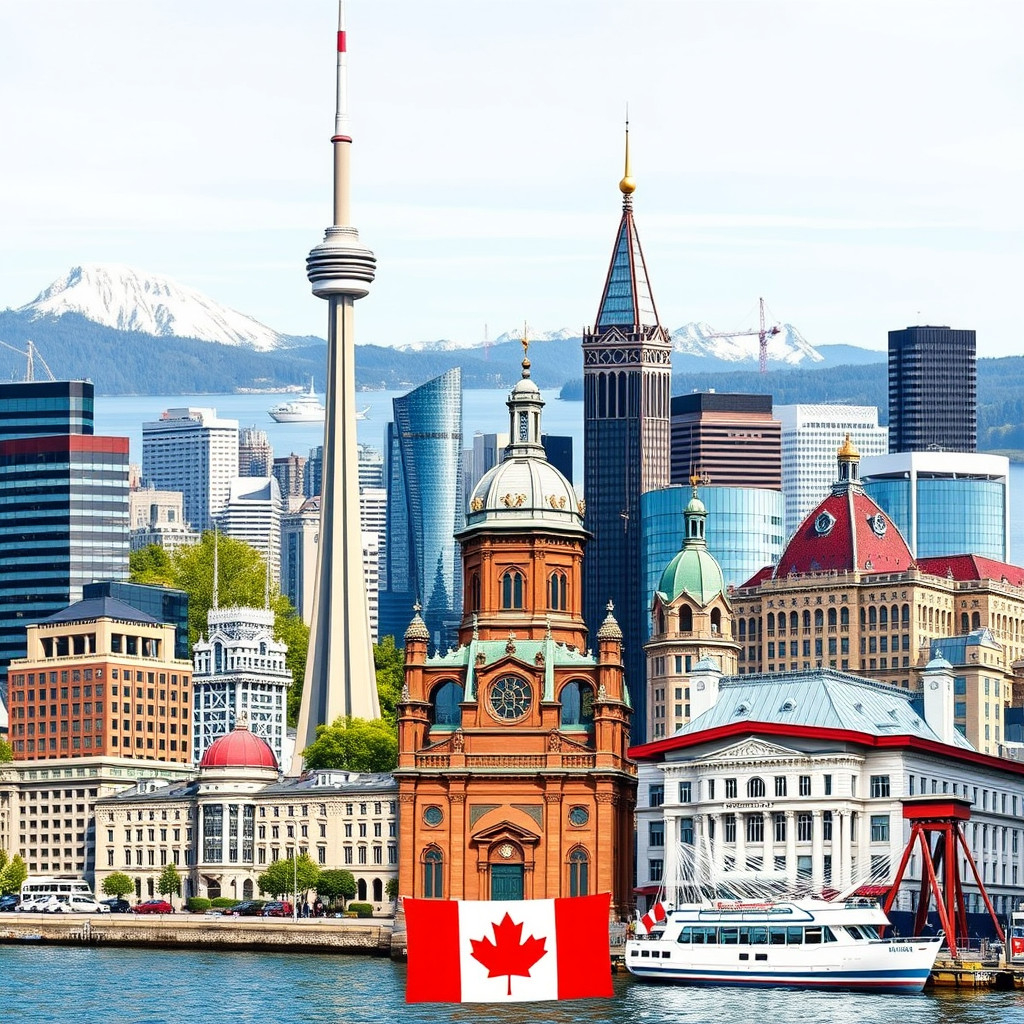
(763, 334)
(31, 354)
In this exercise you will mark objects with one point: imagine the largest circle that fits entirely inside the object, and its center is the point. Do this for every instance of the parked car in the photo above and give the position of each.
(8, 904)
(278, 908)
(32, 904)
(117, 906)
(77, 904)
(153, 907)
(246, 908)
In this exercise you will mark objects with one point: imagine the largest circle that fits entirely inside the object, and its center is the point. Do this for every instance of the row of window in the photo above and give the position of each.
(756, 788)
(513, 584)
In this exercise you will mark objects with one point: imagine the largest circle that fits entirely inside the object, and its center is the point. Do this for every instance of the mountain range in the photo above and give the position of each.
(134, 332)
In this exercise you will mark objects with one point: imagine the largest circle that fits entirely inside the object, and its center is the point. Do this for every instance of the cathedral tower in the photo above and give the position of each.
(627, 382)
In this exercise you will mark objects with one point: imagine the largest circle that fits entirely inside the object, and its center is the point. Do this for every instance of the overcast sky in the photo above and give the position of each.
(857, 164)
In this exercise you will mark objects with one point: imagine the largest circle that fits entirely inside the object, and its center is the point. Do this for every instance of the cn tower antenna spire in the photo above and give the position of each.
(340, 678)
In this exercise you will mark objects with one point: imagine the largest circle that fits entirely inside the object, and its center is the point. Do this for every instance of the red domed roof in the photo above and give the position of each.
(846, 531)
(239, 749)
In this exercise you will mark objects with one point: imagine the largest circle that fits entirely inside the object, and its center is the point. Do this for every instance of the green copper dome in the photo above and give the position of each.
(694, 570)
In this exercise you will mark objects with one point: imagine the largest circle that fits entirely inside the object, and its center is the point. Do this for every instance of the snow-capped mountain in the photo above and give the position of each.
(131, 300)
(452, 345)
(788, 345)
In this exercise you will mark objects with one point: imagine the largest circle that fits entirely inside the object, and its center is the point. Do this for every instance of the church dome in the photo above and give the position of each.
(693, 571)
(239, 749)
(846, 532)
(524, 490)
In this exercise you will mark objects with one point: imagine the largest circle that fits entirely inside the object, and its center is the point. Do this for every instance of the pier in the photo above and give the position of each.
(308, 935)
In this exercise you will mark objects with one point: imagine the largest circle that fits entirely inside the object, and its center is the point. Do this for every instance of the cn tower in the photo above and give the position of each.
(340, 678)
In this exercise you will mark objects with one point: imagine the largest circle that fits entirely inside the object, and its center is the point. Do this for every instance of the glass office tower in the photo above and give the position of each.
(165, 604)
(944, 503)
(425, 509)
(36, 407)
(743, 529)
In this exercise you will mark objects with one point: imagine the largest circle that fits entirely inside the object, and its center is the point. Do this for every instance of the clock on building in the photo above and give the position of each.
(510, 698)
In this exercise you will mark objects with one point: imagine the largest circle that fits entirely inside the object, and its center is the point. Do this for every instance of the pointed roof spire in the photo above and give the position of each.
(627, 301)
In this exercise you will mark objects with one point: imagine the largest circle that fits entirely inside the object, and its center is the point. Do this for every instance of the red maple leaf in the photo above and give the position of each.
(507, 955)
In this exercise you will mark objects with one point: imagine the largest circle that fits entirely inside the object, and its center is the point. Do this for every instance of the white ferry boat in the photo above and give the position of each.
(307, 408)
(799, 943)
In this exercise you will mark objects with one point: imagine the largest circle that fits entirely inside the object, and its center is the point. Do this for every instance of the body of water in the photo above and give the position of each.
(152, 986)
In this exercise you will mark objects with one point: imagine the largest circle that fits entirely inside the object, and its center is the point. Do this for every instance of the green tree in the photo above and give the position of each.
(241, 573)
(118, 884)
(169, 882)
(12, 873)
(336, 883)
(355, 745)
(389, 662)
(391, 888)
(6, 754)
(289, 877)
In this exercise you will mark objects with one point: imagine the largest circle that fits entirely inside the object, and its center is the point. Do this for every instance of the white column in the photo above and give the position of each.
(670, 873)
(840, 871)
(717, 844)
(791, 847)
(741, 842)
(818, 851)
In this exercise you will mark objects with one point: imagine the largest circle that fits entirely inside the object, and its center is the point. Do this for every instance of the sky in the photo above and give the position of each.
(858, 164)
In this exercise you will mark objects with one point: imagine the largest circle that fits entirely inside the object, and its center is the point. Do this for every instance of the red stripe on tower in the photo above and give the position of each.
(584, 958)
(341, 42)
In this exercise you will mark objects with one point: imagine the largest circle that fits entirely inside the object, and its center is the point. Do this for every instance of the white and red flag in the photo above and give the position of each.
(653, 916)
(507, 951)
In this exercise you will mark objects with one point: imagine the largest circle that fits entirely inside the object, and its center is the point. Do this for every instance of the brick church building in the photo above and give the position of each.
(513, 776)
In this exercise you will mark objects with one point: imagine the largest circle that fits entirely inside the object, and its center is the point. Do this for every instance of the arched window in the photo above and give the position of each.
(579, 872)
(831, 617)
(872, 617)
(558, 589)
(659, 619)
(512, 589)
(819, 618)
(378, 891)
(975, 620)
(965, 623)
(577, 704)
(807, 619)
(894, 616)
(794, 622)
(218, 658)
(433, 874)
(844, 617)
(444, 705)
(716, 622)
(474, 592)
(743, 629)
(771, 623)
(751, 625)
(883, 617)
(686, 619)
(755, 788)
(361, 889)
(247, 892)
(906, 616)
(782, 623)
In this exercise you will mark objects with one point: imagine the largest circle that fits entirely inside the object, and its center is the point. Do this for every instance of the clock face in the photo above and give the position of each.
(578, 816)
(824, 523)
(510, 698)
(878, 524)
(433, 815)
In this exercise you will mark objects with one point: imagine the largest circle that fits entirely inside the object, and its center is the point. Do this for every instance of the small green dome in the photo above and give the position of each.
(695, 505)
(693, 571)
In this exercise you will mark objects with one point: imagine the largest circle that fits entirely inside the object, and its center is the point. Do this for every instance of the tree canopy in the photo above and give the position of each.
(13, 873)
(281, 878)
(118, 884)
(169, 882)
(336, 883)
(242, 581)
(355, 745)
(6, 754)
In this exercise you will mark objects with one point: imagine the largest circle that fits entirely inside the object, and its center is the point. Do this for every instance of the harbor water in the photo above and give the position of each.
(152, 986)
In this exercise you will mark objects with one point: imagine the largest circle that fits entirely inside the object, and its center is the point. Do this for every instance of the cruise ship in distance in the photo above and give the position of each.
(307, 408)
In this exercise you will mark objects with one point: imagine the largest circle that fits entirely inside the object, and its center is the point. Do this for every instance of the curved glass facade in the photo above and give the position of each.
(423, 556)
(744, 532)
(954, 515)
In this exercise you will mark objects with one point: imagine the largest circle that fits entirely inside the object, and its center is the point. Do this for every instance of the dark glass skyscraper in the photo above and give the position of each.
(425, 509)
(627, 377)
(933, 390)
(63, 523)
(36, 407)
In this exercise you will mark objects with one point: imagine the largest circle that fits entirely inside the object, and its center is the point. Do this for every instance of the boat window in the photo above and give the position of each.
(777, 936)
(870, 931)
(758, 935)
(812, 936)
(730, 936)
(794, 935)
(829, 936)
(684, 935)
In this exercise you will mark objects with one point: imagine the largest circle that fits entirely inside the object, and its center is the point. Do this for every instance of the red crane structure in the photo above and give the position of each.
(763, 334)
(941, 817)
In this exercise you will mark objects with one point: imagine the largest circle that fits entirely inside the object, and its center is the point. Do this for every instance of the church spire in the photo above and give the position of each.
(627, 301)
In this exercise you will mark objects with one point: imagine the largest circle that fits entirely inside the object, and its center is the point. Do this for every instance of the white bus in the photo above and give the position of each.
(41, 888)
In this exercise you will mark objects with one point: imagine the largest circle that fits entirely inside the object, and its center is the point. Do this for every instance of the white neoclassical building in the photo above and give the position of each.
(802, 775)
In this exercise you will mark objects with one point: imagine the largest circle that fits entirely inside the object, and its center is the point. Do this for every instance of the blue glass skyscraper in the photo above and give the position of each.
(425, 509)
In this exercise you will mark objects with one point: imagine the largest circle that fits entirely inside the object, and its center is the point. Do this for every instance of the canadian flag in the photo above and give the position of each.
(653, 916)
(507, 951)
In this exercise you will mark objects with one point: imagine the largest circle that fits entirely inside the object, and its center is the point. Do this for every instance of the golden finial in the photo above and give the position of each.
(525, 340)
(627, 186)
(698, 479)
(848, 450)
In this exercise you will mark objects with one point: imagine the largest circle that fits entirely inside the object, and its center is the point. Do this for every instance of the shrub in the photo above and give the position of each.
(222, 902)
(361, 909)
(198, 904)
